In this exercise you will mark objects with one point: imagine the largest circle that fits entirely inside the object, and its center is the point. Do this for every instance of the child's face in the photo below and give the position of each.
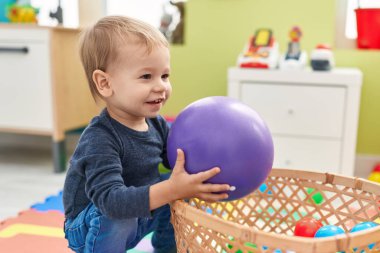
(139, 81)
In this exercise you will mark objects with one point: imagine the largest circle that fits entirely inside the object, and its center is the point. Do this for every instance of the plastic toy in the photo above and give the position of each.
(329, 230)
(262, 51)
(263, 188)
(4, 6)
(316, 197)
(363, 226)
(22, 14)
(221, 131)
(322, 58)
(248, 244)
(375, 174)
(294, 58)
(307, 227)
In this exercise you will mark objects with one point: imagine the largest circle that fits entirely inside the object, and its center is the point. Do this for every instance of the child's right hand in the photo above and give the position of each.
(186, 185)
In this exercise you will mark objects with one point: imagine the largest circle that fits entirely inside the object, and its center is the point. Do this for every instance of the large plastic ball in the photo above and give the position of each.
(363, 226)
(307, 227)
(223, 132)
(329, 230)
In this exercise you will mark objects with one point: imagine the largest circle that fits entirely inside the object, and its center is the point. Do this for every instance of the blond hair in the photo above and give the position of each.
(99, 43)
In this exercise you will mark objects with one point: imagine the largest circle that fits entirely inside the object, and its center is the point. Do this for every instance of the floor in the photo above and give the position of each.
(26, 172)
(27, 178)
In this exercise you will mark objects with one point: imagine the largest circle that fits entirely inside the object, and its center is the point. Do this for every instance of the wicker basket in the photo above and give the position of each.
(264, 221)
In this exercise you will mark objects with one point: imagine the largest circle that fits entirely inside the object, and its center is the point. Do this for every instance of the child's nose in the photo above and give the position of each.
(161, 86)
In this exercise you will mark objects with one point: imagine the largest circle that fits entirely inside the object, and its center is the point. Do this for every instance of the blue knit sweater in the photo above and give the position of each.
(113, 166)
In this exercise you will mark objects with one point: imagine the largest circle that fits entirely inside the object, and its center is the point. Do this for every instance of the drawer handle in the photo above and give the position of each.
(23, 50)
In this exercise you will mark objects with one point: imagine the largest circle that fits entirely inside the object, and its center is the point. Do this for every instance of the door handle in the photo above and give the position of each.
(23, 50)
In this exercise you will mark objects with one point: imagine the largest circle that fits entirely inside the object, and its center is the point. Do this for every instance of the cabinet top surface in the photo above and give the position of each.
(337, 70)
(34, 26)
(336, 75)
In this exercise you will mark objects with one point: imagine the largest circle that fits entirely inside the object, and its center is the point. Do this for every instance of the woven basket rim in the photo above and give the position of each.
(299, 244)
(329, 178)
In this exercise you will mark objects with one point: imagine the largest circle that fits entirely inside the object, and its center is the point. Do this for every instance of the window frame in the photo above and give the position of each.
(341, 40)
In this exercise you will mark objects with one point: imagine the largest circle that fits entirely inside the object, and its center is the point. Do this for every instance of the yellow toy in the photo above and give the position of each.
(375, 174)
(22, 14)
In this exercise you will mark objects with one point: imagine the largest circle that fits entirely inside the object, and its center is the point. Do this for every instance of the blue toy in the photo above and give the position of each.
(363, 226)
(329, 230)
(263, 188)
(4, 6)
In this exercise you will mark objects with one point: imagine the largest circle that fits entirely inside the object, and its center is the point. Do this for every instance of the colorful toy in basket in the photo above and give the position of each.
(316, 196)
(294, 58)
(375, 174)
(262, 51)
(329, 230)
(223, 132)
(363, 226)
(22, 14)
(307, 227)
(322, 58)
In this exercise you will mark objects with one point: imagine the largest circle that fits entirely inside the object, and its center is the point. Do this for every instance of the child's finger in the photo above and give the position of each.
(204, 175)
(213, 197)
(215, 187)
(180, 162)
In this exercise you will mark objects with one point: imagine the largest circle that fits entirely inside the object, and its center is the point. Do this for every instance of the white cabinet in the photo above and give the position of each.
(25, 83)
(43, 86)
(313, 116)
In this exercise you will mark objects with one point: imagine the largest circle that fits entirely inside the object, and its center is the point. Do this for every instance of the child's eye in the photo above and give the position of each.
(146, 76)
(165, 76)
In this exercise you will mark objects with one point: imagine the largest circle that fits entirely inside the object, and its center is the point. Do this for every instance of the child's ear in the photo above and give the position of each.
(101, 79)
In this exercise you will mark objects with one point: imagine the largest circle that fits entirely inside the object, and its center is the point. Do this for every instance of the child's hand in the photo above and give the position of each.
(186, 185)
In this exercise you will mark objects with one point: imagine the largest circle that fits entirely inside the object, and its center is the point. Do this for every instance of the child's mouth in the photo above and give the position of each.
(157, 101)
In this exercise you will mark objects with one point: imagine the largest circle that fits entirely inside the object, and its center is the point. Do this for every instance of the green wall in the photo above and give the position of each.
(216, 31)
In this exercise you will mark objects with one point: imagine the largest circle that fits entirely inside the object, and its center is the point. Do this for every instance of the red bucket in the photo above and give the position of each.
(368, 25)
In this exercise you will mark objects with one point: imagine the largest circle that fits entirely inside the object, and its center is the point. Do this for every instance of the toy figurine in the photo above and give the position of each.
(322, 58)
(294, 58)
(22, 14)
(261, 51)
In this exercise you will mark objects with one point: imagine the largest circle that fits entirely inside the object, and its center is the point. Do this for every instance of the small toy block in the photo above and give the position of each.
(51, 203)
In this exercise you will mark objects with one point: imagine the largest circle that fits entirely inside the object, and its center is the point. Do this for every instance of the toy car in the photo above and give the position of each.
(262, 51)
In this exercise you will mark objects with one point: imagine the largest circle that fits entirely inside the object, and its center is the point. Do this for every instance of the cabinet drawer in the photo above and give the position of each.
(307, 154)
(301, 110)
(25, 97)
(24, 35)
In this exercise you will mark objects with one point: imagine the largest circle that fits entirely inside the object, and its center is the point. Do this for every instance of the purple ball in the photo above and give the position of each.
(223, 132)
